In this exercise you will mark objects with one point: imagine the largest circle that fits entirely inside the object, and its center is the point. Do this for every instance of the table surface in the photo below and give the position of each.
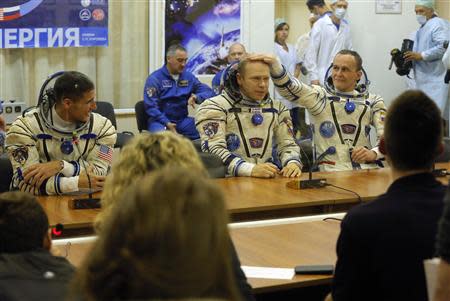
(258, 196)
(280, 246)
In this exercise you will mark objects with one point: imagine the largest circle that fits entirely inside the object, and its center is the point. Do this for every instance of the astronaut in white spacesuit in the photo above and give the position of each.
(243, 124)
(342, 112)
(61, 146)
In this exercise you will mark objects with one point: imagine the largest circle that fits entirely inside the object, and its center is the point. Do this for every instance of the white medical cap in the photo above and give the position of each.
(279, 21)
(426, 3)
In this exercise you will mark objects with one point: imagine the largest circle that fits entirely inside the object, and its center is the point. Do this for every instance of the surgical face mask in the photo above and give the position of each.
(421, 19)
(340, 13)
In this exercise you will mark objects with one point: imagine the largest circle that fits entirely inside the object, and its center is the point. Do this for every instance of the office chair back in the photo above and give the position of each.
(6, 173)
(141, 116)
(106, 109)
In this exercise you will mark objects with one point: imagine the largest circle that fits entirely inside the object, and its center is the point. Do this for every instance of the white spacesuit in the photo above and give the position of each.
(242, 132)
(340, 120)
(32, 140)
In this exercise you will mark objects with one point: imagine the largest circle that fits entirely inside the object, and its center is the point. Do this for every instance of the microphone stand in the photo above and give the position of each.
(317, 183)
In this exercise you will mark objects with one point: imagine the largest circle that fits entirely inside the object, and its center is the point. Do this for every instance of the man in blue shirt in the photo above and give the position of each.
(167, 93)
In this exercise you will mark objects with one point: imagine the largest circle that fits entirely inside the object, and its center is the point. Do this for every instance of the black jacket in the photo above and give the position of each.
(383, 243)
(443, 245)
(36, 275)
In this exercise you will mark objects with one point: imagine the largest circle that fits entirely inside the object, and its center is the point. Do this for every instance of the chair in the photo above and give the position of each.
(141, 116)
(6, 173)
(106, 109)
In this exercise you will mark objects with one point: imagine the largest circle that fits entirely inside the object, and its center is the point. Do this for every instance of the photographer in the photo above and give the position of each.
(430, 38)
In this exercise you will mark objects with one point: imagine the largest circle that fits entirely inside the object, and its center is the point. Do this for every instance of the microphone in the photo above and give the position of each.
(313, 183)
(84, 203)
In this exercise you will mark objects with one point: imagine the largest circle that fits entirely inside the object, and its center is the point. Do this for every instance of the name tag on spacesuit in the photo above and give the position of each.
(183, 83)
(256, 110)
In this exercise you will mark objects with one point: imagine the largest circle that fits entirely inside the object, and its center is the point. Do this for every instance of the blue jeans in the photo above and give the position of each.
(185, 127)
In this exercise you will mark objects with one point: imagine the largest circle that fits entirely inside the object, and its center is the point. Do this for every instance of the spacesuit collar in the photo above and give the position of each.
(61, 123)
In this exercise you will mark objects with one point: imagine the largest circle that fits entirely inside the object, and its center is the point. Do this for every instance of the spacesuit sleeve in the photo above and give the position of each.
(313, 98)
(202, 91)
(310, 61)
(378, 111)
(287, 148)
(439, 36)
(99, 156)
(151, 100)
(21, 146)
(211, 120)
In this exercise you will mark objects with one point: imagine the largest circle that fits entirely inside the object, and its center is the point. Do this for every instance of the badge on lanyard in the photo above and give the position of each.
(257, 117)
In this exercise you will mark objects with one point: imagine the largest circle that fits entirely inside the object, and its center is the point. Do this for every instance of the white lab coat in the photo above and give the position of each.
(288, 59)
(429, 73)
(325, 41)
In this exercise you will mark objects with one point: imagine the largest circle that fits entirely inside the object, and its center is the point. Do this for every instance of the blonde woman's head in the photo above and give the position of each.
(146, 153)
(167, 237)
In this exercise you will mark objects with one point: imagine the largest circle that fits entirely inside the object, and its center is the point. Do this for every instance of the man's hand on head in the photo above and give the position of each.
(267, 58)
(265, 170)
(36, 174)
(363, 155)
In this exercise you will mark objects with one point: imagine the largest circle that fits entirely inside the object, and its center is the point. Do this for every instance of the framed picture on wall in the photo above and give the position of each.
(388, 6)
(206, 29)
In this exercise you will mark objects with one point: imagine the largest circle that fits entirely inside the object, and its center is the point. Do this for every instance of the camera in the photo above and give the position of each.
(397, 57)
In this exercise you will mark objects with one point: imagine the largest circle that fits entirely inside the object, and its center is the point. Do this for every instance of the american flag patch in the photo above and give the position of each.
(105, 153)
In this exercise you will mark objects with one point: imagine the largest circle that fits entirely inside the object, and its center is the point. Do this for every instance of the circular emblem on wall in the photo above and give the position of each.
(98, 14)
(15, 12)
(85, 3)
(85, 14)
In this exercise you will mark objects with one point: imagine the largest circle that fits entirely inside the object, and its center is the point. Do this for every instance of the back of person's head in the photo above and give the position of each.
(167, 237)
(311, 3)
(144, 153)
(23, 223)
(72, 85)
(413, 132)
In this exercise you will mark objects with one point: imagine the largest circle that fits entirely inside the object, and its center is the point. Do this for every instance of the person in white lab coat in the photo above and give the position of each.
(430, 38)
(329, 35)
(287, 53)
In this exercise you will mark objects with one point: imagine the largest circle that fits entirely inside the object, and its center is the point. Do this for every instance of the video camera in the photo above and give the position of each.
(403, 67)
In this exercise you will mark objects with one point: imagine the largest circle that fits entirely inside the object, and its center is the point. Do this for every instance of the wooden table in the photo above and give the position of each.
(255, 199)
(282, 246)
